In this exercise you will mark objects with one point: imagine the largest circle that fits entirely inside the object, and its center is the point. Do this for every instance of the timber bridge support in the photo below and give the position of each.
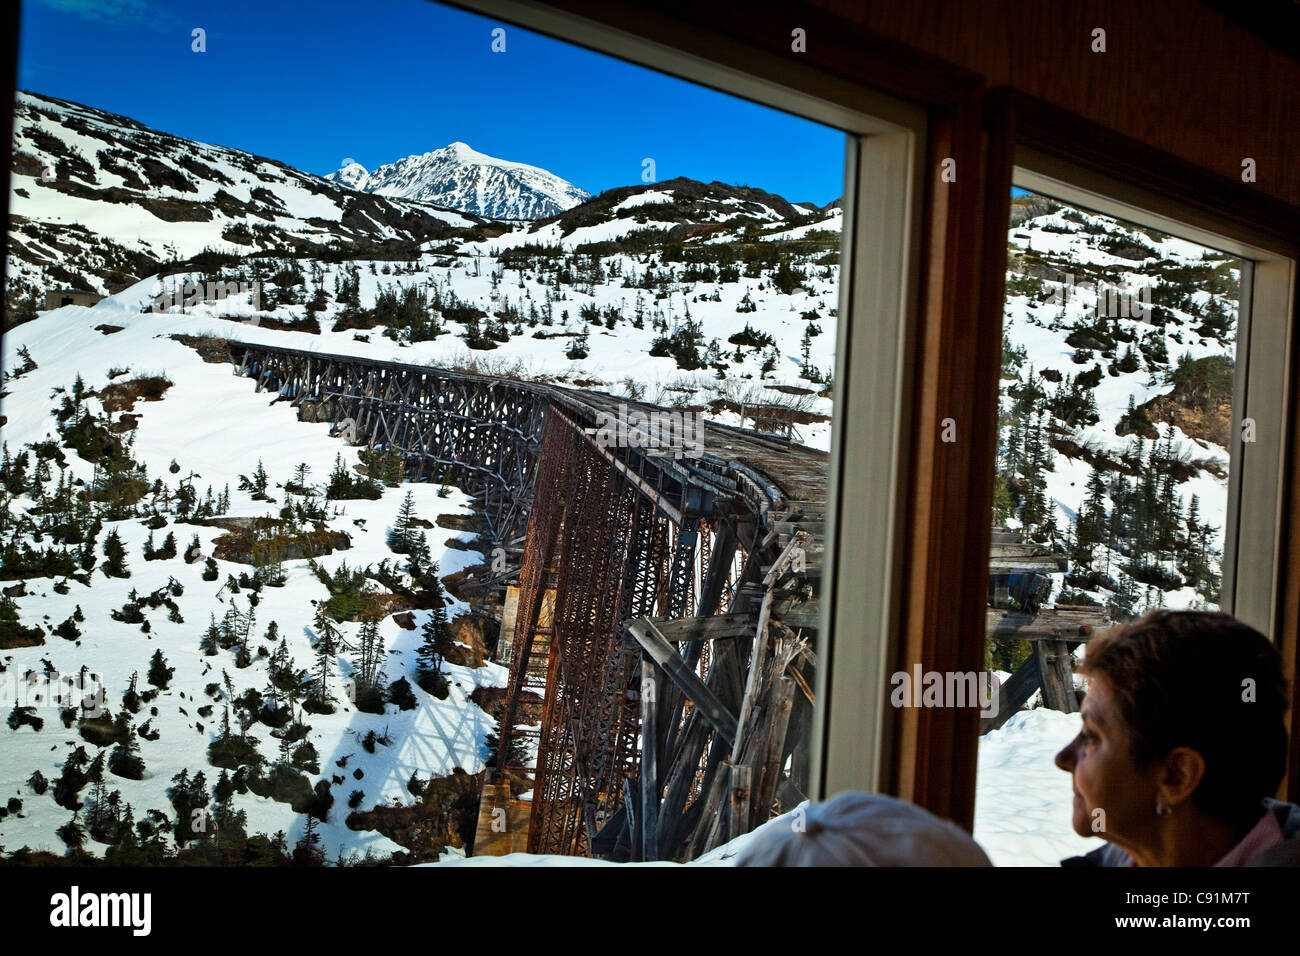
(667, 592)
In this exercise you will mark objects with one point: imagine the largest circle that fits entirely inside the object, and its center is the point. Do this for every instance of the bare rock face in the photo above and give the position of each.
(473, 633)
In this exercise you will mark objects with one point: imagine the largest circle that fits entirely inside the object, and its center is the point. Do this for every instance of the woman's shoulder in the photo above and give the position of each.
(1284, 853)
(1287, 852)
(1106, 855)
(1288, 817)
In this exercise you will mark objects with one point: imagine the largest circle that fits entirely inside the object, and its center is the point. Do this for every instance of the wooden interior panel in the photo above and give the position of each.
(955, 390)
(1176, 75)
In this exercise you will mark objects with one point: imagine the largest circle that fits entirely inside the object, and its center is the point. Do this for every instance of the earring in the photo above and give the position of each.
(1162, 810)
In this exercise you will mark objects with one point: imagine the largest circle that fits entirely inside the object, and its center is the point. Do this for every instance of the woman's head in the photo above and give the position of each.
(1183, 707)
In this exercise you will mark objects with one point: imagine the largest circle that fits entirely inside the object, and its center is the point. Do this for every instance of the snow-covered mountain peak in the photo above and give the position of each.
(458, 176)
(353, 175)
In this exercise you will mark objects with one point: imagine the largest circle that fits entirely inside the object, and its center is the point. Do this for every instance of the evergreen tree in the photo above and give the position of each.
(328, 640)
(168, 549)
(160, 674)
(96, 805)
(189, 797)
(1015, 446)
(68, 630)
(211, 639)
(130, 697)
(125, 845)
(115, 557)
(369, 666)
(125, 760)
(403, 534)
(418, 560)
(435, 644)
(1091, 524)
(1003, 504)
(73, 833)
(258, 484)
(1034, 507)
(308, 851)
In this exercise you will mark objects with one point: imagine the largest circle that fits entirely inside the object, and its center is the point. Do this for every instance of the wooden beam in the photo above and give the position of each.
(740, 801)
(798, 615)
(1076, 626)
(1056, 674)
(662, 653)
(772, 765)
(715, 576)
(705, 628)
(631, 800)
(1012, 695)
(651, 689)
(716, 781)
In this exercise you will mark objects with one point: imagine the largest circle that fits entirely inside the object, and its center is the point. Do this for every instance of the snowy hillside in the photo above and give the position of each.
(98, 201)
(240, 625)
(459, 177)
(1116, 416)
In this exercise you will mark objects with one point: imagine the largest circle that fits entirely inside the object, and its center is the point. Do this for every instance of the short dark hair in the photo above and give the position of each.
(1203, 680)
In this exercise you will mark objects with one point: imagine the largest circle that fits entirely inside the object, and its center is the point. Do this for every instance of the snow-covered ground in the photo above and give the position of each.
(618, 359)
(1023, 801)
(217, 427)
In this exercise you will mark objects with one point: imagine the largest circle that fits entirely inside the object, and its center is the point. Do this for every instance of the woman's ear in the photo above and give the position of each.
(1184, 768)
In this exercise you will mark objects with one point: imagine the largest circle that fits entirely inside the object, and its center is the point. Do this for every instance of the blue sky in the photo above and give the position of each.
(313, 83)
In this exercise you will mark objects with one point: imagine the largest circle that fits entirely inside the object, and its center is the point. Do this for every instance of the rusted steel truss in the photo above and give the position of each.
(631, 750)
(477, 433)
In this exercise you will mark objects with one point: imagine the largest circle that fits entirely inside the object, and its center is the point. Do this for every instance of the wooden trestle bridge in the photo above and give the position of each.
(675, 657)
(667, 598)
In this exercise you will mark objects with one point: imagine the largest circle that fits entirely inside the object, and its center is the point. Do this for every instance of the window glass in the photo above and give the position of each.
(339, 456)
(1115, 414)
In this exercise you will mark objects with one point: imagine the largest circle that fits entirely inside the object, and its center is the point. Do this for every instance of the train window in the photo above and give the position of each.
(1122, 443)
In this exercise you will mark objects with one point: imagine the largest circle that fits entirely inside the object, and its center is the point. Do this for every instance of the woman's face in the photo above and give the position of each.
(1114, 798)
